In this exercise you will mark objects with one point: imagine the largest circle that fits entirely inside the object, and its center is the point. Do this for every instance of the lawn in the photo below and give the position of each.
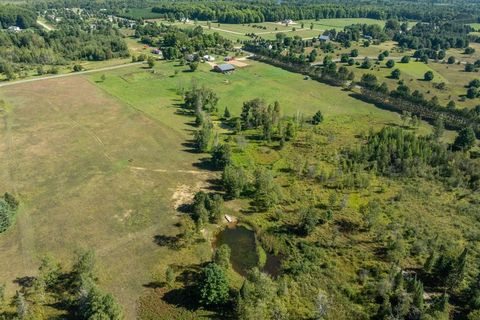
(103, 164)
(339, 24)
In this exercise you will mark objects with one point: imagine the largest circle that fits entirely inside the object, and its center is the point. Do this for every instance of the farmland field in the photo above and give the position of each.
(93, 172)
(104, 163)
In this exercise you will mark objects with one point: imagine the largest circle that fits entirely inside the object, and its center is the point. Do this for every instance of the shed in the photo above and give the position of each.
(224, 68)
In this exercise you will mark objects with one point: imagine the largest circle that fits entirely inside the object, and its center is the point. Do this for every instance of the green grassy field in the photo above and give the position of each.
(103, 164)
(475, 26)
(339, 24)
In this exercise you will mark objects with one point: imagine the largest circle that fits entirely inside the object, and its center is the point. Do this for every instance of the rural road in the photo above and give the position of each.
(12, 83)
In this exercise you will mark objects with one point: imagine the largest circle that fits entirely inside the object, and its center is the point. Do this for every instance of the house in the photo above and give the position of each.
(185, 20)
(287, 22)
(224, 68)
(324, 38)
(14, 29)
(208, 58)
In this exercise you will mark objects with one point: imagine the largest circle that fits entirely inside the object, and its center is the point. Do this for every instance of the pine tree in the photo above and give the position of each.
(465, 139)
(417, 294)
(170, 276)
(226, 113)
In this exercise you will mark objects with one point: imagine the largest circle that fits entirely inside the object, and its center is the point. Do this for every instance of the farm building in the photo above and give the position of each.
(224, 68)
(287, 22)
(324, 38)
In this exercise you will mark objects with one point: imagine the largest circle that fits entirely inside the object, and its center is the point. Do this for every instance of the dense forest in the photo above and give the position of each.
(11, 15)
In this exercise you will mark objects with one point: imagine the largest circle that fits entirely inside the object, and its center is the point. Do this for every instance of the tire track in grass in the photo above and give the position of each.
(22, 220)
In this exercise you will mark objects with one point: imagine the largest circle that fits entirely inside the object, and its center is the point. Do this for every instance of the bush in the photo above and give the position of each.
(77, 68)
(469, 50)
(390, 63)
(366, 64)
(428, 76)
(395, 74)
(317, 118)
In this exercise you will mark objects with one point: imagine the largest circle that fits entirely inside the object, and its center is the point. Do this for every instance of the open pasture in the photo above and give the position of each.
(92, 172)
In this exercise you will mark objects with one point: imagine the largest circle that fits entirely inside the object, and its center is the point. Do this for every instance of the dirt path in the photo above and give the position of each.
(12, 83)
(45, 26)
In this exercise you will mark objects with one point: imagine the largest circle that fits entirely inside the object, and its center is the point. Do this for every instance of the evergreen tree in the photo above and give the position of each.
(221, 156)
(213, 287)
(226, 113)
(222, 256)
(234, 181)
(465, 139)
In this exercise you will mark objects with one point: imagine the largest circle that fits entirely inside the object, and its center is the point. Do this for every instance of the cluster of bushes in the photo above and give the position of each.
(8, 208)
(75, 291)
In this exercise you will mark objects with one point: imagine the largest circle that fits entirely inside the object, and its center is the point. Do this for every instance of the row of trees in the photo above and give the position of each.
(247, 12)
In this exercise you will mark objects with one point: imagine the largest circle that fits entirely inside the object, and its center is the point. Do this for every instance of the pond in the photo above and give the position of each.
(243, 246)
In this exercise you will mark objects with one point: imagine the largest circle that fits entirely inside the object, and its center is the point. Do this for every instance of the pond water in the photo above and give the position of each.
(243, 248)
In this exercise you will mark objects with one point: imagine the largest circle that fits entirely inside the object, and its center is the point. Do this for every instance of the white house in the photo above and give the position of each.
(14, 29)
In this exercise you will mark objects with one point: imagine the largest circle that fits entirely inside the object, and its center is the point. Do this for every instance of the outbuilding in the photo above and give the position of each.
(224, 68)
(324, 38)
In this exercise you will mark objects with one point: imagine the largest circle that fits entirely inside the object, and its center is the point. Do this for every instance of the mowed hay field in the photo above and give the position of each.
(150, 92)
(92, 172)
(102, 164)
